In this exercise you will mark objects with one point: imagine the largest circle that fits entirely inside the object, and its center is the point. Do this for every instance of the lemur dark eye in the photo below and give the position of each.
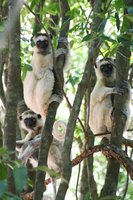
(38, 42)
(46, 42)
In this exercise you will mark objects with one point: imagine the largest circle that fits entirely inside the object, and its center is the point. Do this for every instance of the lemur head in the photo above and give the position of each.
(31, 121)
(42, 43)
(105, 69)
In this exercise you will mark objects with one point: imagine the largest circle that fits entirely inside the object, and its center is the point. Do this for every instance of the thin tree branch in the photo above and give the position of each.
(108, 150)
(2, 93)
(127, 142)
(80, 122)
(127, 180)
(77, 183)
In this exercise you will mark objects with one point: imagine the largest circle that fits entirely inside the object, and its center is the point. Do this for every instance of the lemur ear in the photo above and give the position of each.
(32, 41)
(32, 38)
(20, 117)
(51, 37)
(39, 116)
(95, 65)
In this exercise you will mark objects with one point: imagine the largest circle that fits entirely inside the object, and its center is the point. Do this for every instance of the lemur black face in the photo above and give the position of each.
(107, 69)
(30, 122)
(42, 44)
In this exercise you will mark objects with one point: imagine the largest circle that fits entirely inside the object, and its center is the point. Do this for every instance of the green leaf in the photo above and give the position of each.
(3, 187)
(2, 26)
(20, 177)
(75, 28)
(117, 21)
(119, 4)
(120, 39)
(107, 38)
(65, 24)
(33, 4)
(50, 171)
(32, 42)
(3, 151)
(10, 196)
(126, 25)
(24, 39)
(73, 80)
(129, 16)
(74, 12)
(3, 171)
(71, 43)
(28, 67)
(87, 37)
(49, 10)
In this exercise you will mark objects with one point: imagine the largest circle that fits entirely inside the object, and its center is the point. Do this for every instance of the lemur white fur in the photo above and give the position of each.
(101, 107)
(39, 83)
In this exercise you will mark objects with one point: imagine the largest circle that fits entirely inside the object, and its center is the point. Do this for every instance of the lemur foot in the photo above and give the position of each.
(60, 51)
(118, 90)
(56, 97)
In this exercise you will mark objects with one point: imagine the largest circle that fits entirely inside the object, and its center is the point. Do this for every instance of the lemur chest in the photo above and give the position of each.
(40, 62)
(34, 88)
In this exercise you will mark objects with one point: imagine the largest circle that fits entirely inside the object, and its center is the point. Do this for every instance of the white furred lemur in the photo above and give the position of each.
(39, 83)
(101, 105)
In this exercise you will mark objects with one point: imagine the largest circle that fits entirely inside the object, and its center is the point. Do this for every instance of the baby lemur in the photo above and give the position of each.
(30, 125)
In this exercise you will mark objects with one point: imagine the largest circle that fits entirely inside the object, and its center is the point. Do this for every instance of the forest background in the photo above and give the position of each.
(94, 29)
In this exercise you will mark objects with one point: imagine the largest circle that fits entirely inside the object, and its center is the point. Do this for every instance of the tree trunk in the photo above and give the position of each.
(12, 85)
